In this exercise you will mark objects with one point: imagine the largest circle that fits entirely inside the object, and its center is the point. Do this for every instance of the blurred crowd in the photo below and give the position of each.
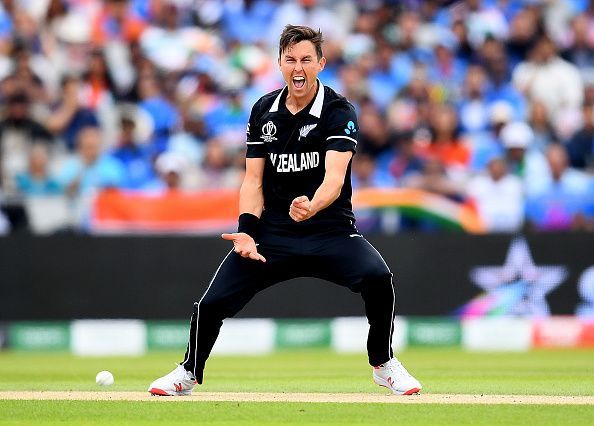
(485, 102)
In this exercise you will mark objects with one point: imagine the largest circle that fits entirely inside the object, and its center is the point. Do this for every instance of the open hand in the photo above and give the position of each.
(244, 245)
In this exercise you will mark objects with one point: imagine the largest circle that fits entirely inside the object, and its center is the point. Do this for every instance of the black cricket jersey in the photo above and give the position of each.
(295, 147)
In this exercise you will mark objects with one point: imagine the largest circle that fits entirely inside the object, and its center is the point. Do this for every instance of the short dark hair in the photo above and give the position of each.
(293, 34)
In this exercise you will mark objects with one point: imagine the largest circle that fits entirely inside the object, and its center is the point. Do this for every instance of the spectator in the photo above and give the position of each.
(525, 29)
(37, 180)
(166, 44)
(581, 145)
(134, 156)
(382, 87)
(410, 110)
(171, 167)
(69, 116)
(367, 175)
(117, 21)
(434, 178)
(18, 132)
(228, 119)
(446, 71)
(484, 20)
(464, 50)
(559, 202)
(544, 133)
(98, 85)
(373, 132)
(579, 47)
(473, 108)
(445, 144)
(312, 13)
(164, 115)
(523, 159)
(27, 73)
(499, 87)
(98, 93)
(90, 169)
(498, 196)
(545, 77)
(243, 20)
(216, 170)
(404, 162)
(190, 140)
(487, 145)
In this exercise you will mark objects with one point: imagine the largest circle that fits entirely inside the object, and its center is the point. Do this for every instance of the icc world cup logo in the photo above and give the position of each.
(268, 132)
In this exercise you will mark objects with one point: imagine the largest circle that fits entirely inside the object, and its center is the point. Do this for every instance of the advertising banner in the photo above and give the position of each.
(302, 333)
(42, 336)
(167, 335)
(158, 278)
(434, 331)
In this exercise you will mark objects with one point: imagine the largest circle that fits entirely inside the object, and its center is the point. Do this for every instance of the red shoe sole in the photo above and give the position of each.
(408, 392)
(155, 391)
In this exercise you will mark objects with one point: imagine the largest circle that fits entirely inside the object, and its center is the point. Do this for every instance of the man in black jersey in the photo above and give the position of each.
(296, 217)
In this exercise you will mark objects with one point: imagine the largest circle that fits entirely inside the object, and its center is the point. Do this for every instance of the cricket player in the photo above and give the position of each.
(296, 218)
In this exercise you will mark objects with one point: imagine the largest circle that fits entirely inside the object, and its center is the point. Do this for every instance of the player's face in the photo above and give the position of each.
(300, 66)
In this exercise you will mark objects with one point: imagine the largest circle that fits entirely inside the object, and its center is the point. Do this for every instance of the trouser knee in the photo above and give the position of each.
(377, 281)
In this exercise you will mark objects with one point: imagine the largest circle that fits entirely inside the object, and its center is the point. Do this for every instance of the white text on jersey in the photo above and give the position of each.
(295, 162)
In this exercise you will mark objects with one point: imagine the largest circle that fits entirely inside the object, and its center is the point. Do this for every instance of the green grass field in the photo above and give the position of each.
(442, 371)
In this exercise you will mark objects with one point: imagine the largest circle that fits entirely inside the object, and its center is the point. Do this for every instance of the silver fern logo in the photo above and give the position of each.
(304, 131)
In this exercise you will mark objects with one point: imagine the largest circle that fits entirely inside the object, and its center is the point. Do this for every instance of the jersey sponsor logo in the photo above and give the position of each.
(268, 132)
(286, 163)
(350, 128)
(304, 131)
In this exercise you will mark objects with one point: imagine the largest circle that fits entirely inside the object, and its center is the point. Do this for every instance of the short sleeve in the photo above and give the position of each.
(343, 129)
(255, 146)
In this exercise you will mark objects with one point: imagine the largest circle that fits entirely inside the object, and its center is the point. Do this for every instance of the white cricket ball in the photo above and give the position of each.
(104, 378)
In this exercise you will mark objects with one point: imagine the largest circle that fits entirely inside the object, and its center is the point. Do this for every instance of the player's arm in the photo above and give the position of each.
(251, 197)
(336, 167)
(251, 204)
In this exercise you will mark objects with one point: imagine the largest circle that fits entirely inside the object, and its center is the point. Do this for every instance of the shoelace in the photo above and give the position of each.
(396, 367)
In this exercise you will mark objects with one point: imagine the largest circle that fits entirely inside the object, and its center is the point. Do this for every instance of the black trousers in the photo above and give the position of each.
(340, 255)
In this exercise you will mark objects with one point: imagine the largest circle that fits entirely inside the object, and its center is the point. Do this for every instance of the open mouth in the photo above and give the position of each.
(298, 82)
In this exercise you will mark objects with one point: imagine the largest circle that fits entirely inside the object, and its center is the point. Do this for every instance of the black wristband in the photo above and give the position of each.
(249, 223)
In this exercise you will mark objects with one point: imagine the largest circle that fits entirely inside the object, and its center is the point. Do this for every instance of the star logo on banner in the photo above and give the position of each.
(518, 287)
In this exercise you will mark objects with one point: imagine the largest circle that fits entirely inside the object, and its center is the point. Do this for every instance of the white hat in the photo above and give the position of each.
(517, 134)
(73, 28)
(170, 162)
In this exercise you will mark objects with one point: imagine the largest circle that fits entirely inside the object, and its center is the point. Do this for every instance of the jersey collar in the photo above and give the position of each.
(316, 108)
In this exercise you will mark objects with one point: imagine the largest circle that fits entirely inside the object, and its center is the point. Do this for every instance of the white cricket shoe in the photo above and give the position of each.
(177, 383)
(394, 376)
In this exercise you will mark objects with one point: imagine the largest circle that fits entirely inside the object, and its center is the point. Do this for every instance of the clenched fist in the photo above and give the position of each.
(301, 209)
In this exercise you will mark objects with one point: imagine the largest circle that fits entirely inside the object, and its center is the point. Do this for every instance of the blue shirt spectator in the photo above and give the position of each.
(135, 158)
(243, 20)
(90, 169)
(561, 200)
(164, 115)
(228, 116)
(37, 180)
